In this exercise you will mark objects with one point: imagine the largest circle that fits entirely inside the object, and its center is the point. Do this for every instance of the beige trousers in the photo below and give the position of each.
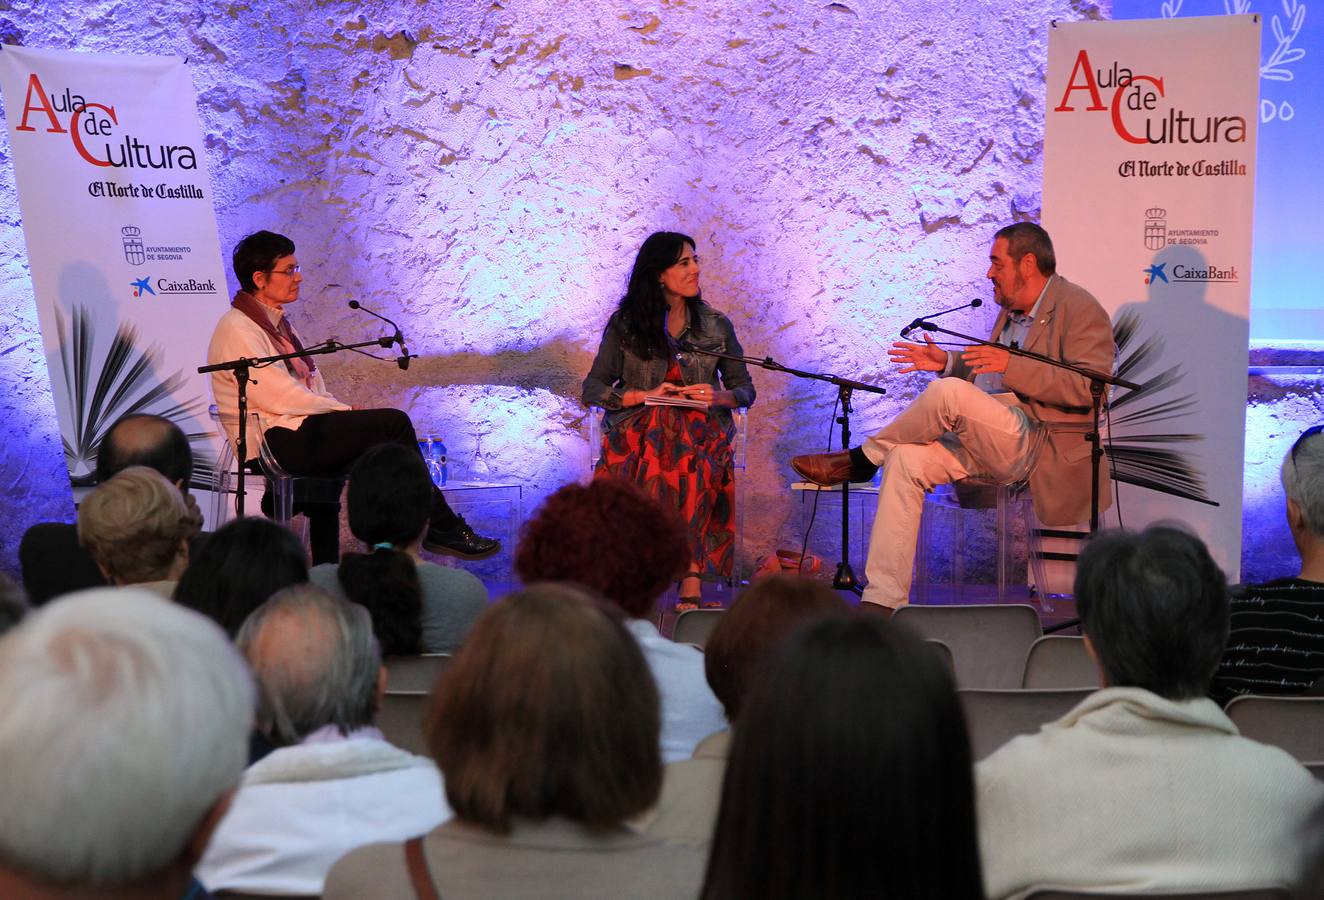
(952, 430)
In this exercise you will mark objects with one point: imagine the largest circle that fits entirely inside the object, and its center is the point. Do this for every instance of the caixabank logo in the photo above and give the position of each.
(163, 286)
(1141, 112)
(95, 130)
(1159, 273)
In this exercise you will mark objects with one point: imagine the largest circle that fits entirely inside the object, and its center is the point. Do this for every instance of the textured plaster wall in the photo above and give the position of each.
(484, 172)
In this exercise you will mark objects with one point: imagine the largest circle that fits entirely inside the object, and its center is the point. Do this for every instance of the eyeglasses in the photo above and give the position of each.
(288, 273)
(1305, 436)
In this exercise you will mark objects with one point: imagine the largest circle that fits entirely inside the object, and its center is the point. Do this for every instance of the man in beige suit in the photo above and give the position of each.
(983, 416)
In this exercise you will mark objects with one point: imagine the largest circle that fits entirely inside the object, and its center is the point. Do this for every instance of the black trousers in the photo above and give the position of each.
(327, 445)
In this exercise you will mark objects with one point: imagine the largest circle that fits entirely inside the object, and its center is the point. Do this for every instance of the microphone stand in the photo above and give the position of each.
(241, 368)
(1097, 381)
(844, 579)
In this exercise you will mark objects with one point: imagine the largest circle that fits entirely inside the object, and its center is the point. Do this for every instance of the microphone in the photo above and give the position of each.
(397, 338)
(922, 321)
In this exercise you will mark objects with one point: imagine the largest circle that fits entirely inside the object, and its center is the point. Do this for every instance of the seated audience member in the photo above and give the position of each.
(124, 723)
(761, 617)
(615, 539)
(849, 774)
(51, 558)
(238, 568)
(334, 783)
(1276, 644)
(1145, 786)
(13, 605)
(416, 606)
(546, 729)
(136, 528)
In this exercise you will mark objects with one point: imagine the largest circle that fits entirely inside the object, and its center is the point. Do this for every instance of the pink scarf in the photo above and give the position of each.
(282, 335)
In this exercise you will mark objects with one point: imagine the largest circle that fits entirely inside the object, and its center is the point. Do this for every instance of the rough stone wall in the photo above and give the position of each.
(484, 172)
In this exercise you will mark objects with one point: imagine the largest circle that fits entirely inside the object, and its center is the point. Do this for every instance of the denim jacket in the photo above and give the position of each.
(616, 370)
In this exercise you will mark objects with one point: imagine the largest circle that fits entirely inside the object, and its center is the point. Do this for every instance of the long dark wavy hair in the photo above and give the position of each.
(641, 317)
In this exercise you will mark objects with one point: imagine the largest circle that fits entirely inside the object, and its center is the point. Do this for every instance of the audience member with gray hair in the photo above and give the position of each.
(334, 784)
(1160, 791)
(52, 560)
(136, 528)
(124, 723)
(1276, 645)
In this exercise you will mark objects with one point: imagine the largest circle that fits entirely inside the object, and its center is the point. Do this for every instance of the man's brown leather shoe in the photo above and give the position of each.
(826, 469)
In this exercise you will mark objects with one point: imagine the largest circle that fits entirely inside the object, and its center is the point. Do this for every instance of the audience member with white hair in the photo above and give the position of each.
(1276, 644)
(136, 527)
(334, 783)
(1145, 786)
(124, 723)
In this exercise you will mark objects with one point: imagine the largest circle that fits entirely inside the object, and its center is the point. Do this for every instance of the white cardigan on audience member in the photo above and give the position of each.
(1133, 793)
(690, 711)
(301, 808)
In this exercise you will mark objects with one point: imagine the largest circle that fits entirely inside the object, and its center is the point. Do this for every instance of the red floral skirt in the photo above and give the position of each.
(683, 459)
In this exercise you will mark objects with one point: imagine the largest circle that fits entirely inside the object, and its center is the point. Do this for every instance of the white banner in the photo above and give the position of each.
(1149, 176)
(121, 237)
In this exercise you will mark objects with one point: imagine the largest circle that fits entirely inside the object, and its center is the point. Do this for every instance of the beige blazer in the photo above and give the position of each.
(1071, 326)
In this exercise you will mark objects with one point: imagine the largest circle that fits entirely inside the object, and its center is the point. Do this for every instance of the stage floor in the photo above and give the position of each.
(1056, 611)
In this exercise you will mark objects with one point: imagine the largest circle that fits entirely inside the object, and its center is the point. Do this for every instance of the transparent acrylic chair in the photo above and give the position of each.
(1008, 494)
(285, 488)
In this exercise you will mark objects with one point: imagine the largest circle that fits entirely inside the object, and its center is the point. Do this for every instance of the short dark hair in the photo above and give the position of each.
(258, 252)
(610, 536)
(760, 618)
(852, 731)
(389, 499)
(549, 709)
(238, 568)
(141, 439)
(1027, 237)
(1155, 607)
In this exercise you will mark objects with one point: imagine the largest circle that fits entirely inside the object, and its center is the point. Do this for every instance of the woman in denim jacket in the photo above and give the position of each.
(681, 455)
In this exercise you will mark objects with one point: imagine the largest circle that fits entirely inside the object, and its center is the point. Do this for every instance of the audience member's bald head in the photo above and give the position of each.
(316, 662)
(145, 440)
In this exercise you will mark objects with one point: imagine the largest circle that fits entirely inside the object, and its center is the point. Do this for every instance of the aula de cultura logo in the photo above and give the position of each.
(1140, 109)
(95, 130)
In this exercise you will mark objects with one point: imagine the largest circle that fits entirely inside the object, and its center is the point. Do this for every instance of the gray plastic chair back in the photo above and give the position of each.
(695, 625)
(1296, 724)
(1059, 661)
(1263, 893)
(400, 718)
(995, 717)
(989, 642)
(416, 673)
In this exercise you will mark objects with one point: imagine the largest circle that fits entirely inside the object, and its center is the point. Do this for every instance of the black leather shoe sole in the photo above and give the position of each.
(474, 547)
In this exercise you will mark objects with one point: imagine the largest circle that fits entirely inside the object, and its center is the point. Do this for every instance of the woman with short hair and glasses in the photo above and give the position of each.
(309, 431)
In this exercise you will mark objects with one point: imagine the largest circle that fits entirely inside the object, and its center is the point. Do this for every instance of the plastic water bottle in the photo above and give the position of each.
(434, 454)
